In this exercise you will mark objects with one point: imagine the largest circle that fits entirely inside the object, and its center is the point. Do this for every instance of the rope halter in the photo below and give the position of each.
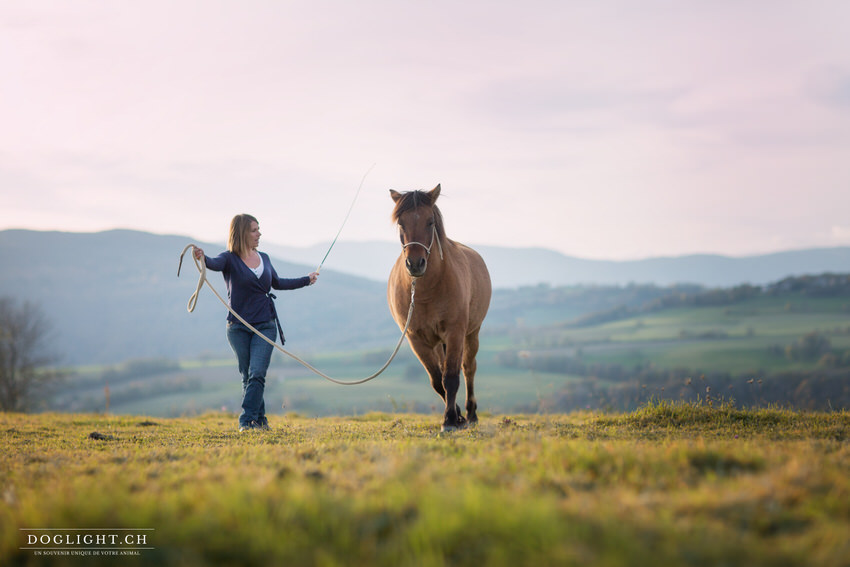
(427, 248)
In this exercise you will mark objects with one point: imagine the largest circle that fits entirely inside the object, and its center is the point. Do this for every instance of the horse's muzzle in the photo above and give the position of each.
(416, 267)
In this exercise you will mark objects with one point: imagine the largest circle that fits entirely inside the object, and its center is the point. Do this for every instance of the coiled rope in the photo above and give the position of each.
(193, 301)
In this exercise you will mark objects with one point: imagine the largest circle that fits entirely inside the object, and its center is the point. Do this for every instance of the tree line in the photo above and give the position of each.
(824, 285)
(614, 386)
(816, 390)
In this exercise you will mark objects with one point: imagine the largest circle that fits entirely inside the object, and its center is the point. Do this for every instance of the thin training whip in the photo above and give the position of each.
(193, 301)
(345, 220)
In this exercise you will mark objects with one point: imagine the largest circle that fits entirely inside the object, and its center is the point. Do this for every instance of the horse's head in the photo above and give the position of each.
(420, 227)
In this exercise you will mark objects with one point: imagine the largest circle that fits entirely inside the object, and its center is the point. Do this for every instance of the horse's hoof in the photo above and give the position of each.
(461, 424)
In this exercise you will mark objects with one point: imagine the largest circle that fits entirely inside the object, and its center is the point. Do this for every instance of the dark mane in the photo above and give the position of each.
(411, 200)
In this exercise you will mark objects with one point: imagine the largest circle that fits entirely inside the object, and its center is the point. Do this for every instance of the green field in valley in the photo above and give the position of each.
(667, 484)
(761, 350)
(734, 338)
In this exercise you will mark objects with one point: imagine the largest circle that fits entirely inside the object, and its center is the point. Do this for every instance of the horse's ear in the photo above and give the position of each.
(435, 192)
(395, 195)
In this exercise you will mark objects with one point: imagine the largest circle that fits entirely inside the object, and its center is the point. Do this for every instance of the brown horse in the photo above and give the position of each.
(451, 299)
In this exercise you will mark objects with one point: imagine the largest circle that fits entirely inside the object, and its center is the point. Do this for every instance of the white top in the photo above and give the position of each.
(258, 271)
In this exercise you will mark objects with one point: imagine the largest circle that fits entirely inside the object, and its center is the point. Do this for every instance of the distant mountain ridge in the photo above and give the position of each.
(115, 295)
(516, 267)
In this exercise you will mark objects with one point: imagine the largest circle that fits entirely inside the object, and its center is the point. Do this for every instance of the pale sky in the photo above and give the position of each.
(601, 129)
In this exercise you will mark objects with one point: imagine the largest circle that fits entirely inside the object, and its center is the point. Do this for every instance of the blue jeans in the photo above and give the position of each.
(253, 355)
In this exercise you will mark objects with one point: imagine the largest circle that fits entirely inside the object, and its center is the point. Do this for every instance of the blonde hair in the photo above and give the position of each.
(237, 242)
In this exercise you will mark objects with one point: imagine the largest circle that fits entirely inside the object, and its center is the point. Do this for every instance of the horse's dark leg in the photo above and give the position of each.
(442, 354)
(431, 360)
(470, 350)
(451, 381)
(441, 350)
(437, 365)
(437, 374)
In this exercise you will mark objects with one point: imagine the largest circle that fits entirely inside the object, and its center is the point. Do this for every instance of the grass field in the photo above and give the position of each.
(669, 484)
(738, 339)
(195, 388)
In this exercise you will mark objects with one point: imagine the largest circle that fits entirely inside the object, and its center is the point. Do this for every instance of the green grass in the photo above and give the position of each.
(669, 484)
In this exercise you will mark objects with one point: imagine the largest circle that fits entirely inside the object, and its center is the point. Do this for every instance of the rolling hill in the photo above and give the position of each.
(113, 296)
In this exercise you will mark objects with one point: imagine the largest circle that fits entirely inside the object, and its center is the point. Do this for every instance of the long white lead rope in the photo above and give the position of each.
(193, 301)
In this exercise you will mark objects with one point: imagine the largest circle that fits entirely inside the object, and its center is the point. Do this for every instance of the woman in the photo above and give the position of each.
(249, 276)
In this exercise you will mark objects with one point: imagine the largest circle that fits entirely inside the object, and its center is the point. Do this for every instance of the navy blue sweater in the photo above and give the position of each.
(247, 294)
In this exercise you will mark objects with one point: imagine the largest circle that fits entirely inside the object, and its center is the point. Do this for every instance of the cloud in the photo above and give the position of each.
(606, 129)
